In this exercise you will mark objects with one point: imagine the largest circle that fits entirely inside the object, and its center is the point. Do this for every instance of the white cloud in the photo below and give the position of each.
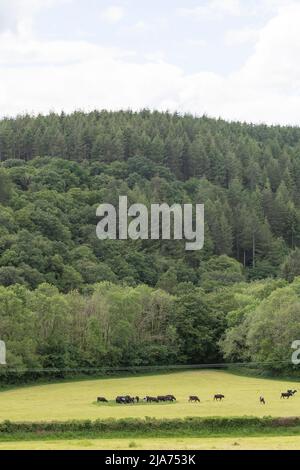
(275, 64)
(149, 27)
(156, 57)
(267, 87)
(140, 26)
(237, 37)
(212, 9)
(67, 75)
(17, 16)
(197, 43)
(112, 14)
(218, 9)
(39, 76)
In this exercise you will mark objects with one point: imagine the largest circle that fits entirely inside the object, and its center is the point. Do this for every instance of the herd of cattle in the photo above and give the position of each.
(127, 399)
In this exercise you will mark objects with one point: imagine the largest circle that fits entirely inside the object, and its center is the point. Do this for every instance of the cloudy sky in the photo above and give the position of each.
(237, 59)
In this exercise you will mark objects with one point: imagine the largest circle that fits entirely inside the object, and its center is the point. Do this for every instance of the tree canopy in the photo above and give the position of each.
(54, 172)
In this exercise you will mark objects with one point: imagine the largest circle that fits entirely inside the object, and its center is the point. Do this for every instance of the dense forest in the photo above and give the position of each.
(70, 301)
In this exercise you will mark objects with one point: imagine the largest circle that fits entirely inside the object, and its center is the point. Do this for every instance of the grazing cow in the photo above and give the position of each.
(137, 399)
(194, 399)
(151, 399)
(262, 400)
(166, 398)
(162, 398)
(102, 400)
(286, 395)
(129, 399)
(219, 397)
(121, 400)
(292, 392)
(170, 398)
(124, 400)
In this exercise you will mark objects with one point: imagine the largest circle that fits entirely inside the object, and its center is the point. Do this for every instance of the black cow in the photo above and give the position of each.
(262, 400)
(166, 398)
(219, 397)
(129, 399)
(102, 400)
(151, 399)
(125, 400)
(286, 395)
(121, 400)
(161, 398)
(171, 398)
(194, 399)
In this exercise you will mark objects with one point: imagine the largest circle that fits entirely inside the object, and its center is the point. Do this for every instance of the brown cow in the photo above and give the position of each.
(194, 399)
(219, 397)
(102, 400)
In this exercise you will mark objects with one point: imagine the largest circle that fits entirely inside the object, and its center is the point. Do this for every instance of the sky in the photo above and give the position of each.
(234, 59)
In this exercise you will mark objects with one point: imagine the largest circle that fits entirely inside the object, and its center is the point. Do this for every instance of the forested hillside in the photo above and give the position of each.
(55, 170)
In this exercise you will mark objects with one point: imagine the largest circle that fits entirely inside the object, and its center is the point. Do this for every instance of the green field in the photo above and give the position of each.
(76, 400)
(240, 443)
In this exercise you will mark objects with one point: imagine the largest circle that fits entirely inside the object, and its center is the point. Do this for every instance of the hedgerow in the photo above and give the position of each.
(149, 425)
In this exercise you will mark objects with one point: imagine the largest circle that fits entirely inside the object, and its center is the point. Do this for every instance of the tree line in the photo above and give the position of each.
(49, 334)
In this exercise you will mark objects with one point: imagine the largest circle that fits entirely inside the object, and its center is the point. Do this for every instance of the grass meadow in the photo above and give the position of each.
(76, 400)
